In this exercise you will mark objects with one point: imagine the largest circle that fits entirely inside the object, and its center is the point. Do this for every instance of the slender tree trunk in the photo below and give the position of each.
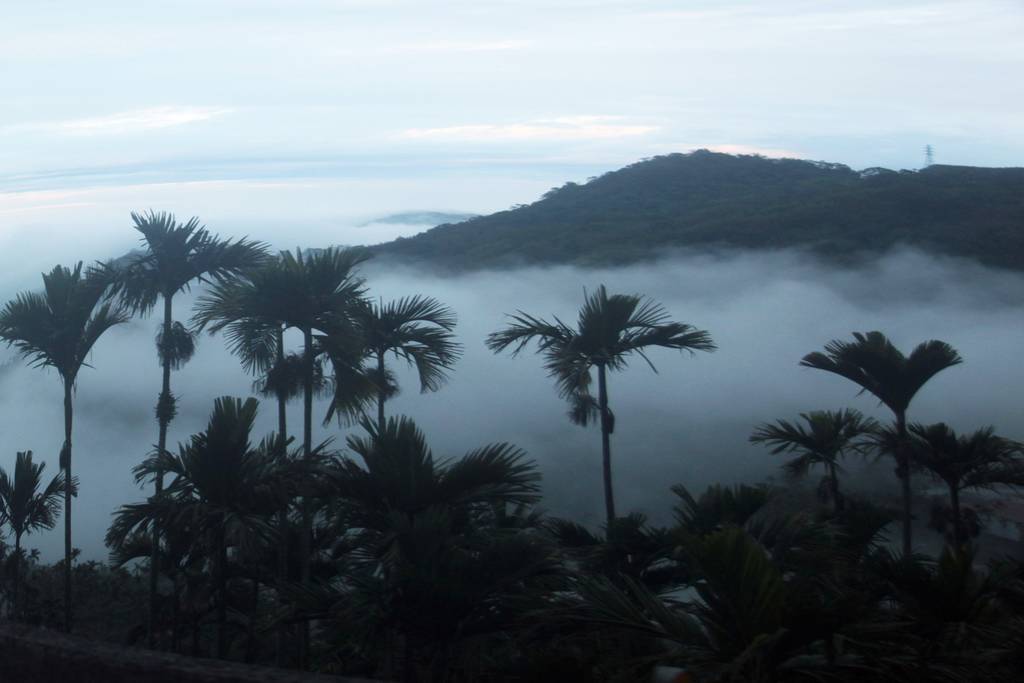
(282, 395)
(382, 382)
(195, 635)
(17, 575)
(903, 471)
(163, 419)
(282, 514)
(250, 650)
(837, 498)
(175, 617)
(408, 660)
(606, 447)
(222, 593)
(954, 501)
(68, 484)
(307, 451)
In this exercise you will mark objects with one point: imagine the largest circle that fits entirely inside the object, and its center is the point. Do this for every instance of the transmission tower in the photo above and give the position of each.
(929, 155)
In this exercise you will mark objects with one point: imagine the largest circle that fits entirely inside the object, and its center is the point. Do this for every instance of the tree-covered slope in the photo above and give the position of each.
(704, 199)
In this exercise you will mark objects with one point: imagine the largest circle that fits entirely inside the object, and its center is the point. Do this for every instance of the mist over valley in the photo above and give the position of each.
(687, 424)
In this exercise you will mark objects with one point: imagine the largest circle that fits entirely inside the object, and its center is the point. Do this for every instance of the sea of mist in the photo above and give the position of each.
(688, 423)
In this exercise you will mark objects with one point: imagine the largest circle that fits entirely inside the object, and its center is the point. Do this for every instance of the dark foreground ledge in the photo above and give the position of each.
(29, 655)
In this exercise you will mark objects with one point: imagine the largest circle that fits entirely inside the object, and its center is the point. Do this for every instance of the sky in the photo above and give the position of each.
(325, 113)
(309, 122)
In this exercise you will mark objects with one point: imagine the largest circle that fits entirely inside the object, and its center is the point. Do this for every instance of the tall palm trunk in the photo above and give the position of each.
(250, 650)
(380, 392)
(175, 617)
(222, 592)
(282, 394)
(307, 394)
(164, 419)
(17, 576)
(195, 634)
(606, 447)
(282, 514)
(903, 472)
(68, 484)
(307, 451)
(954, 502)
(833, 484)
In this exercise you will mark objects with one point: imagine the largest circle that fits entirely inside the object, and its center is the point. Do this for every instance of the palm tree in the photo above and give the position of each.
(257, 338)
(177, 255)
(825, 439)
(313, 293)
(57, 328)
(416, 329)
(424, 528)
(610, 329)
(873, 363)
(962, 616)
(223, 489)
(397, 474)
(977, 460)
(634, 550)
(747, 618)
(717, 507)
(26, 508)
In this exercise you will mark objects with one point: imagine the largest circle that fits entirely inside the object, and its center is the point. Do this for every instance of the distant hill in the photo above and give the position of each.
(422, 218)
(709, 200)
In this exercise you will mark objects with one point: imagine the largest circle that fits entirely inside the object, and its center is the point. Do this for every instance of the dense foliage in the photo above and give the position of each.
(705, 199)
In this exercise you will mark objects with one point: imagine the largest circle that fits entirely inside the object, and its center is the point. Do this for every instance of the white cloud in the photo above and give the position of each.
(463, 46)
(134, 121)
(773, 152)
(724, 148)
(428, 47)
(564, 128)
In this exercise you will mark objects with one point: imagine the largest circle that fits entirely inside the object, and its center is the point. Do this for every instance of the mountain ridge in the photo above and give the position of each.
(709, 200)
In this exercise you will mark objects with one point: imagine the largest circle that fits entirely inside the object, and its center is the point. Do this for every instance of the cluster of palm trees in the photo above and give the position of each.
(254, 297)
(980, 460)
(382, 559)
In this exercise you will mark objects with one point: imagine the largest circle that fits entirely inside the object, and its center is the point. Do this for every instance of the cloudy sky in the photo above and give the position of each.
(252, 112)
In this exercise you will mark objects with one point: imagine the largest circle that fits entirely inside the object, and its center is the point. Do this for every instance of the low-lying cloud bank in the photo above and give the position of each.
(689, 423)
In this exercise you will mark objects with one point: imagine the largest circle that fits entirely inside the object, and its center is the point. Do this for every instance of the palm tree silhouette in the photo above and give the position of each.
(826, 438)
(980, 459)
(223, 487)
(58, 328)
(746, 620)
(25, 508)
(873, 363)
(177, 255)
(247, 311)
(417, 329)
(314, 293)
(610, 329)
(397, 474)
(434, 561)
(717, 507)
(182, 559)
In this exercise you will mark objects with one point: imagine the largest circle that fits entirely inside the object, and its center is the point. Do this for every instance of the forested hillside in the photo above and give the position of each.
(705, 199)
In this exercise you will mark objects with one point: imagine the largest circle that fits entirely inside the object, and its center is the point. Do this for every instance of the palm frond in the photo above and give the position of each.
(59, 326)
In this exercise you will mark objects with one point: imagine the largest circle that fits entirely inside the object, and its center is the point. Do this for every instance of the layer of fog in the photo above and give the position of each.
(689, 423)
